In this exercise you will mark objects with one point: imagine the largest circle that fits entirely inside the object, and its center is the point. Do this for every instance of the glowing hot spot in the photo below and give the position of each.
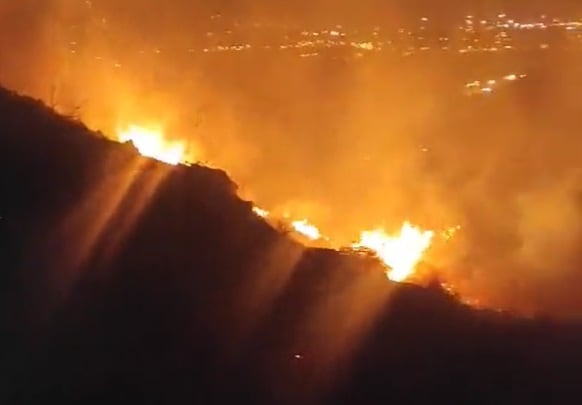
(306, 229)
(151, 143)
(261, 212)
(401, 252)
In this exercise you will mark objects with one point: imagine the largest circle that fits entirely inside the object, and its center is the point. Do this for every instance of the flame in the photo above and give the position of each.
(261, 212)
(306, 229)
(151, 143)
(400, 252)
(301, 226)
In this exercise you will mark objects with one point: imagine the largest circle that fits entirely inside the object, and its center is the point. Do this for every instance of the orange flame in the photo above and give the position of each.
(261, 212)
(400, 252)
(306, 229)
(151, 143)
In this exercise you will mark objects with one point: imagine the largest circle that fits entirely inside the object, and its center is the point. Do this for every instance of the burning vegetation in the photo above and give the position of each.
(151, 143)
(375, 135)
(400, 252)
(123, 259)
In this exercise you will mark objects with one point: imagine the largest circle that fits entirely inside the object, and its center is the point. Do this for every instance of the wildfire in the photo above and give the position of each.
(151, 143)
(306, 229)
(261, 212)
(400, 252)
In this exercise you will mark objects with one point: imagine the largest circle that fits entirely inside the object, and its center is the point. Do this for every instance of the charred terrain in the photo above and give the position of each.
(125, 279)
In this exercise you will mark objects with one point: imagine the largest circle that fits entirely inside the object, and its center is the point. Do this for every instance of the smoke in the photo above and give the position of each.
(24, 40)
(350, 142)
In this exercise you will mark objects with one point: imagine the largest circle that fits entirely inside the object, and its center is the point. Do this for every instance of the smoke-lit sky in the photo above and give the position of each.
(340, 140)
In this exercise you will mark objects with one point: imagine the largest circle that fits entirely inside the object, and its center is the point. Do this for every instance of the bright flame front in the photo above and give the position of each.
(151, 143)
(400, 252)
(261, 212)
(306, 229)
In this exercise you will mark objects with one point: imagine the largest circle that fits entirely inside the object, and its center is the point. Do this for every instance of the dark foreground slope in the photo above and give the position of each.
(123, 279)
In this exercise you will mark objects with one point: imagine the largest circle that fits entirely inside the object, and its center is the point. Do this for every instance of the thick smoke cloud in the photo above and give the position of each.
(351, 143)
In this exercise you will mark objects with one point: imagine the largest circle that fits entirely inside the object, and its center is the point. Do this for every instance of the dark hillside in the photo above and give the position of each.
(124, 279)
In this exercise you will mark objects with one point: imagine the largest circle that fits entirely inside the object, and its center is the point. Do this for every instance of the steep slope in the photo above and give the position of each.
(127, 279)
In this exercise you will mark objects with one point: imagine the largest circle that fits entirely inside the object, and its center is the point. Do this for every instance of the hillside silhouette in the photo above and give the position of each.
(125, 279)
